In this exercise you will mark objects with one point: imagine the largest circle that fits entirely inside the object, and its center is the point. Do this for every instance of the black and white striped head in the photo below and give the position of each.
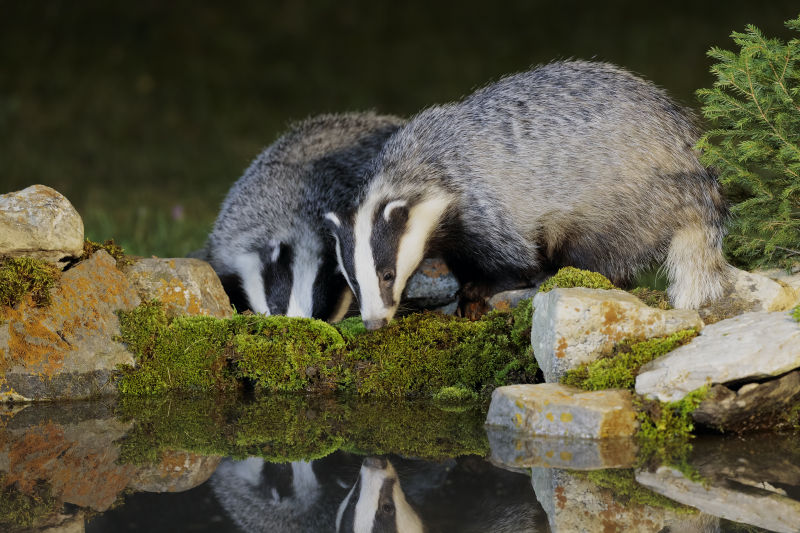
(381, 246)
(290, 278)
(376, 503)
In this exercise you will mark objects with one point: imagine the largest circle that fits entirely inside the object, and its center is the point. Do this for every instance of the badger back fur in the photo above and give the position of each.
(267, 245)
(572, 163)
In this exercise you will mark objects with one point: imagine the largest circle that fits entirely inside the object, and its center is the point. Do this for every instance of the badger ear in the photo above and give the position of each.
(332, 222)
(396, 211)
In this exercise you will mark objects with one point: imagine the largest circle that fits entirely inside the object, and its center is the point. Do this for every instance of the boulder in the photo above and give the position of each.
(185, 286)
(754, 291)
(39, 222)
(753, 406)
(753, 505)
(550, 409)
(432, 285)
(575, 326)
(67, 349)
(744, 348)
(514, 450)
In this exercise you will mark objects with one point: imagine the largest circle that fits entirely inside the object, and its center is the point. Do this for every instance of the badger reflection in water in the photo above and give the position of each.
(466, 499)
(260, 496)
(345, 494)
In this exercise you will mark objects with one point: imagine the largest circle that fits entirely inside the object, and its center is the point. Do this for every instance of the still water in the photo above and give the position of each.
(289, 463)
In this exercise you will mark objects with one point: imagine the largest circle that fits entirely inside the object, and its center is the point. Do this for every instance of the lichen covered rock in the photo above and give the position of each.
(577, 325)
(184, 286)
(432, 285)
(39, 222)
(67, 349)
(549, 409)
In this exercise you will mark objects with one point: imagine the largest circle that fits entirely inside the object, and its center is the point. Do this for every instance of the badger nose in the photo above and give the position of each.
(377, 323)
(378, 463)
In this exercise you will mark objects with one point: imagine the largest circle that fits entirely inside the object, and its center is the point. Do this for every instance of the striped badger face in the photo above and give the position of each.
(380, 248)
(376, 503)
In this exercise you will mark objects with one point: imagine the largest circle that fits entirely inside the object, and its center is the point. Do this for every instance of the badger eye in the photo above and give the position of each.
(388, 508)
(388, 275)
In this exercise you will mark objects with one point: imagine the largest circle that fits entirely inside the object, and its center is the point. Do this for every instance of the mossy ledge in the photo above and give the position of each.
(22, 277)
(571, 277)
(414, 356)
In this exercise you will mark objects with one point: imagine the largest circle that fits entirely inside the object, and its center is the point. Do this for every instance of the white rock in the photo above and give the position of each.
(760, 508)
(574, 326)
(762, 292)
(39, 222)
(749, 346)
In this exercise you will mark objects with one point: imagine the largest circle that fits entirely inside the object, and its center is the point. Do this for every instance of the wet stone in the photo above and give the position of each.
(513, 450)
(763, 506)
(177, 471)
(549, 409)
(578, 325)
(39, 222)
(185, 286)
(744, 348)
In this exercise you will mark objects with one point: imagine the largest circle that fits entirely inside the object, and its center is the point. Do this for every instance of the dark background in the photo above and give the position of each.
(143, 114)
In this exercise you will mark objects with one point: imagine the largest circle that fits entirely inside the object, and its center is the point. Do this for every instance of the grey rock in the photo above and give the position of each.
(39, 222)
(432, 285)
(747, 347)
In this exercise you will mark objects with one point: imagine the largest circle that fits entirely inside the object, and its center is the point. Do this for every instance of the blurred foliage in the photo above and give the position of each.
(143, 114)
(755, 110)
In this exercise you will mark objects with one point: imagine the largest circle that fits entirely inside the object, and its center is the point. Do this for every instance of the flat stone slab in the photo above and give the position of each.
(550, 409)
(575, 326)
(749, 505)
(39, 222)
(513, 450)
(185, 286)
(747, 347)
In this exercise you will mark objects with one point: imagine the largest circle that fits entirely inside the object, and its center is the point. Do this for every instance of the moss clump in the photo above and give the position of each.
(622, 483)
(455, 396)
(23, 510)
(652, 297)
(113, 249)
(23, 276)
(183, 354)
(665, 429)
(796, 313)
(569, 277)
(286, 354)
(350, 328)
(618, 369)
(422, 353)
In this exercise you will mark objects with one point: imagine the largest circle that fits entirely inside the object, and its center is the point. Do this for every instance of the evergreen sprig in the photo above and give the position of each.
(754, 107)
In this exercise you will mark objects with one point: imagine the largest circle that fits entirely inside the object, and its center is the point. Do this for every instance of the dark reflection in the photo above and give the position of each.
(344, 493)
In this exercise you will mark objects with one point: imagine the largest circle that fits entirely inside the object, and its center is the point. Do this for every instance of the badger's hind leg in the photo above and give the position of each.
(696, 269)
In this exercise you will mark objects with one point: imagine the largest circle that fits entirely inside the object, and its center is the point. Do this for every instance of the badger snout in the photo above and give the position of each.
(375, 323)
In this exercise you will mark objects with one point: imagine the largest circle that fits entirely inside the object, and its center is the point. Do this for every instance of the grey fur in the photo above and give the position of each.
(275, 209)
(572, 163)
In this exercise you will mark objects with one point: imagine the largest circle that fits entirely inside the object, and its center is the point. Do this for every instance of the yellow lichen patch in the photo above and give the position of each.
(549, 416)
(565, 456)
(561, 348)
(177, 298)
(518, 419)
(566, 417)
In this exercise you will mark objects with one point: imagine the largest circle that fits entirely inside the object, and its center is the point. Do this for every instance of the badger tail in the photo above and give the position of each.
(696, 268)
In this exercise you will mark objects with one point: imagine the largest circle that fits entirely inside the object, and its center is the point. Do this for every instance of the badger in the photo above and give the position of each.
(572, 163)
(267, 244)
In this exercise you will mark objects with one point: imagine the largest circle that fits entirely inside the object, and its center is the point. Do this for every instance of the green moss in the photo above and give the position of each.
(23, 510)
(652, 297)
(618, 370)
(422, 353)
(23, 276)
(114, 250)
(569, 277)
(796, 313)
(184, 354)
(455, 396)
(665, 429)
(414, 356)
(351, 327)
(287, 354)
(622, 483)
